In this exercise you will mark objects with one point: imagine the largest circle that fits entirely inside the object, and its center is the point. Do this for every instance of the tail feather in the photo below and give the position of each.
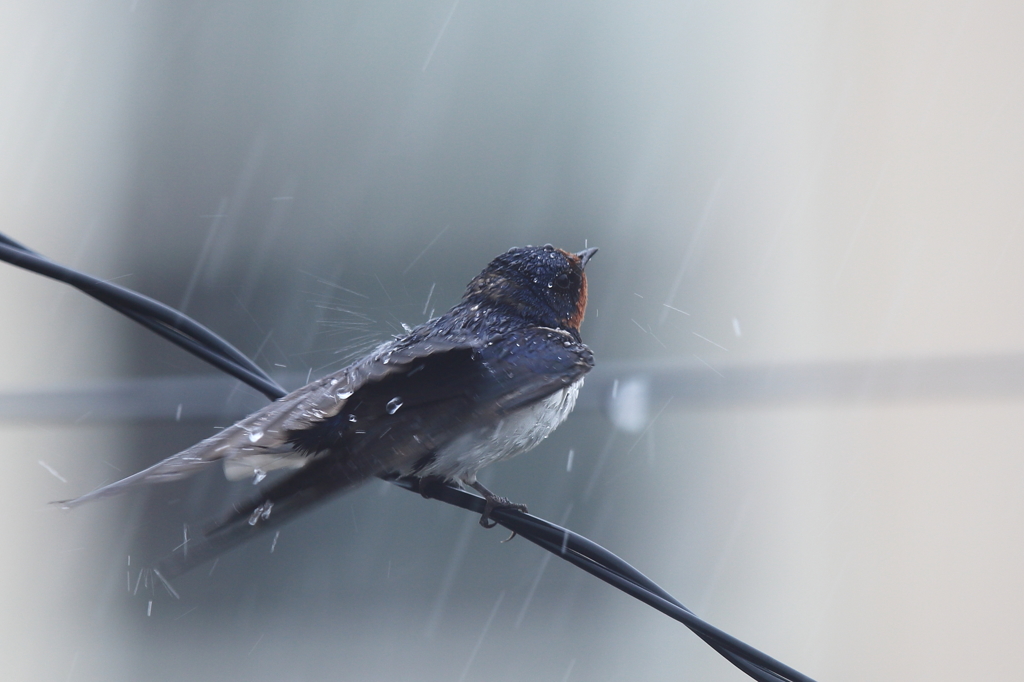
(276, 506)
(173, 468)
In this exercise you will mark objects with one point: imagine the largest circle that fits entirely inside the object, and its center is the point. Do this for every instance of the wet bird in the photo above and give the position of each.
(485, 381)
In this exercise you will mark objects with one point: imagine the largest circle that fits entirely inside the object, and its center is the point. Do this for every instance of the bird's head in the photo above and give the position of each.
(540, 283)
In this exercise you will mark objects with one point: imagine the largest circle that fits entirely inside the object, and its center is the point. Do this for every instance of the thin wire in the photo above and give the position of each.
(174, 326)
(576, 549)
(613, 570)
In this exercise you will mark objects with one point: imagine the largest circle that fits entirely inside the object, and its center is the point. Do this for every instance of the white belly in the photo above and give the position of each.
(517, 433)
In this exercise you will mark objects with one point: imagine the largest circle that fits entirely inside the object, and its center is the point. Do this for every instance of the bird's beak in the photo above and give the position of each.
(586, 255)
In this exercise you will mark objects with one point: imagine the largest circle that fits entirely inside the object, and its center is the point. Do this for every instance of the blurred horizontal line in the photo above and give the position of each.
(700, 384)
(691, 383)
(153, 398)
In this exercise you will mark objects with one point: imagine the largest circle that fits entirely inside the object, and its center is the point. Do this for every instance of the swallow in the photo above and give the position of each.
(487, 380)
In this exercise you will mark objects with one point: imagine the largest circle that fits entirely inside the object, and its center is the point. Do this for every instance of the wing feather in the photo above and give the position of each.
(261, 440)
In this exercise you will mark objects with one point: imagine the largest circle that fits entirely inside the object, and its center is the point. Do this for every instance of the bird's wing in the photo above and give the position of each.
(387, 424)
(533, 363)
(261, 440)
(399, 419)
(395, 420)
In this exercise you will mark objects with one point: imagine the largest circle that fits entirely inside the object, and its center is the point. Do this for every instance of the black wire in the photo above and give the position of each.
(174, 326)
(613, 570)
(576, 549)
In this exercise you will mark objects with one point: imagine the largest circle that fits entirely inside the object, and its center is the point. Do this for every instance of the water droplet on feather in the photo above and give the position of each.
(261, 512)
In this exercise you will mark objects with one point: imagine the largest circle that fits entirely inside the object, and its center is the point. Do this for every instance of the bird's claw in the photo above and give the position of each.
(492, 502)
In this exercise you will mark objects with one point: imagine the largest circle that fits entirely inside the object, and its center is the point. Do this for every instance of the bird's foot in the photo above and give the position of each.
(492, 502)
(496, 502)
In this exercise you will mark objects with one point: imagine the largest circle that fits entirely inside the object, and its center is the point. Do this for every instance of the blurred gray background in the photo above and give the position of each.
(769, 184)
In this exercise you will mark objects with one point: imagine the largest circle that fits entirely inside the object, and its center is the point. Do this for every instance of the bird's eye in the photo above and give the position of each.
(562, 281)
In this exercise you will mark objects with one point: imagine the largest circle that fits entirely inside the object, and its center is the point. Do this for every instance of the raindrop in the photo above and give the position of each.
(255, 435)
(260, 512)
(630, 404)
(52, 471)
(258, 475)
(352, 418)
(344, 394)
(394, 405)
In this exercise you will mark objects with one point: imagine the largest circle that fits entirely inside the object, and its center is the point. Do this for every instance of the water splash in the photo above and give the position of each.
(261, 512)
